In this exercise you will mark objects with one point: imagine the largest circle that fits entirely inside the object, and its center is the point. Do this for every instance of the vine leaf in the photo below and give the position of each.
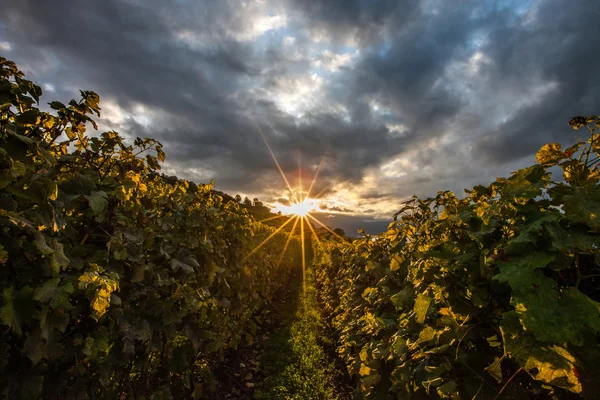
(98, 201)
(583, 206)
(17, 307)
(550, 153)
(421, 307)
(551, 364)
(495, 369)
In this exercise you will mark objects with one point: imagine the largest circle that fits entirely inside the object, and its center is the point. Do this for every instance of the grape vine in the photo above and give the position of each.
(492, 295)
(116, 280)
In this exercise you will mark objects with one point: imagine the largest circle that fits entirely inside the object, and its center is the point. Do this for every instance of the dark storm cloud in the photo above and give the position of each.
(557, 46)
(132, 53)
(356, 20)
(449, 93)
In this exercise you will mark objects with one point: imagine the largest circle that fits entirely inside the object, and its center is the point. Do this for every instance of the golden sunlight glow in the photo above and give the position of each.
(298, 208)
(301, 209)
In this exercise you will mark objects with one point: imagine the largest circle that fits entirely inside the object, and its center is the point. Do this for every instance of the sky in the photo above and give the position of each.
(390, 98)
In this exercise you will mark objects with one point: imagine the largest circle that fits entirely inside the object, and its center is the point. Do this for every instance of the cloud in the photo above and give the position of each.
(283, 201)
(326, 207)
(390, 98)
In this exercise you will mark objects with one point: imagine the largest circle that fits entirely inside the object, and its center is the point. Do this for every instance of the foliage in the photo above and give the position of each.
(495, 294)
(115, 281)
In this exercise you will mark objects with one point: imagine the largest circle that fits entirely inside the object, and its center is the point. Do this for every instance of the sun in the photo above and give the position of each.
(301, 209)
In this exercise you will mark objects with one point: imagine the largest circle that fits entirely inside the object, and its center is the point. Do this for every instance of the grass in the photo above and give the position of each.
(295, 364)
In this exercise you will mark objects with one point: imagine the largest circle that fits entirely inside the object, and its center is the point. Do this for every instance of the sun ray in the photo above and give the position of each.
(300, 179)
(273, 155)
(313, 231)
(288, 240)
(315, 177)
(303, 255)
(267, 239)
(270, 218)
(326, 227)
(323, 191)
(329, 186)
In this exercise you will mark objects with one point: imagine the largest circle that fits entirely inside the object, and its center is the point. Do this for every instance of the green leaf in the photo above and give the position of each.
(152, 162)
(530, 233)
(404, 299)
(583, 206)
(77, 185)
(34, 348)
(138, 272)
(52, 250)
(519, 271)
(98, 202)
(570, 240)
(117, 248)
(550, 314)
(42, 190)
(555, 317)
(57, 105)
(39, 241)
(58, 260)
(50, 292)
(46, 290)
(121, 193)
(551, 364)
(526, 183)
(212, 270)
(177, 265)
(17, 307)
(29, 117)
(425, 336)
(495, 369)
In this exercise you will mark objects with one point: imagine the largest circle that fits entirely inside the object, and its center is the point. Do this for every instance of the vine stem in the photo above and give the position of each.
(463, 336)
(587, 155)
(589, 276)
(507, 382)
(477, 393)
(578, 272)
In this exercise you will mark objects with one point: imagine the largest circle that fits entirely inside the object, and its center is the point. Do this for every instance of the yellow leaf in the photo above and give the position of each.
(364, 370)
